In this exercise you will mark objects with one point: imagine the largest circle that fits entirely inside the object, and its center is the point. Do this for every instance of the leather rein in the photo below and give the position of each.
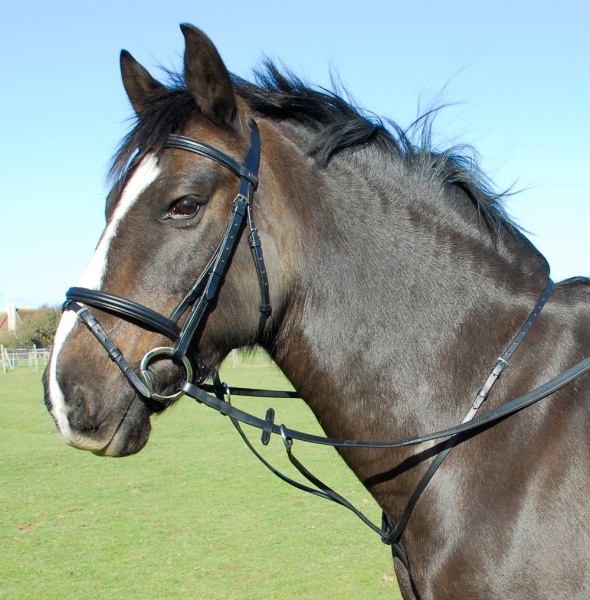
(197, 302)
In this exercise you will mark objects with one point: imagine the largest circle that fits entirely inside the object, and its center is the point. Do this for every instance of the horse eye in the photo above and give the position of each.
(183, 208)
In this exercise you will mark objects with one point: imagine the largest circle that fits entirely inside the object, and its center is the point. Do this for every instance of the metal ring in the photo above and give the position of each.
(286, 439)
(146, 378)
(227, 391)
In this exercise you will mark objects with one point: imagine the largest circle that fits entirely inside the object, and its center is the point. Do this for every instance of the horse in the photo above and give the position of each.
(387, 278)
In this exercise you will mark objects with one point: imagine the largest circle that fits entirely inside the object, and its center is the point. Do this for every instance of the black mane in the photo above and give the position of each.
(336, 125)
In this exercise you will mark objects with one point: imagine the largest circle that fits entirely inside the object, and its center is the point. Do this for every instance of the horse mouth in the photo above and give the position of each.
(90, 418)
(131, 433)
(121, 445)
(118, 437)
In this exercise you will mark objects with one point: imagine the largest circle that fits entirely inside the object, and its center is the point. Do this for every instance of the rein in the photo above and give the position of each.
(197, 302)
(390, 534)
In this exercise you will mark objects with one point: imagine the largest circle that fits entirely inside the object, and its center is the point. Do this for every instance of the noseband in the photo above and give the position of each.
(202, 293)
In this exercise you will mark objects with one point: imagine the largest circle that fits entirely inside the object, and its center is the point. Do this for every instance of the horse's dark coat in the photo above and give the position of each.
(396, 280)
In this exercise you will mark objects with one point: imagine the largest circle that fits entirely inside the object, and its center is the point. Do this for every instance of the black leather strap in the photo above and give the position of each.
(220, 261)
(249, 179)
(252, 163)
(196, 291)
(185, 143)
(528, 323)
(217, 271)
(488, 418)
(321, 489)
(113, 352)
(122, 307)
(236, 391)
(205, 289)
(389, 535)
(396, 532)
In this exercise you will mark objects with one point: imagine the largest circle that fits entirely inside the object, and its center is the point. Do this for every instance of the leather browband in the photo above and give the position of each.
(185, 143)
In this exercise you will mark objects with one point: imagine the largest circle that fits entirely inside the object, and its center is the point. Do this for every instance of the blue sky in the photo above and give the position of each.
(516, 74)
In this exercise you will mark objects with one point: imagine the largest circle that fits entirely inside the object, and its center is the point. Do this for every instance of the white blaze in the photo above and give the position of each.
(92, 278)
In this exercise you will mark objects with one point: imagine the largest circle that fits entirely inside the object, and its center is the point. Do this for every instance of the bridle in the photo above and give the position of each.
(198, 300)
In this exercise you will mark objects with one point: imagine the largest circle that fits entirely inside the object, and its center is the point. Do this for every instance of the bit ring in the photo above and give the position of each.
(146, 378)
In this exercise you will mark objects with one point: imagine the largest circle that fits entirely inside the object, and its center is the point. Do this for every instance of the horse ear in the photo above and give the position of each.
(207, 78)
(139, 84)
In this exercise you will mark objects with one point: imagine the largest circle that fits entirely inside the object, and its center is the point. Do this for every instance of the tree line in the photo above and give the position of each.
(38, 329)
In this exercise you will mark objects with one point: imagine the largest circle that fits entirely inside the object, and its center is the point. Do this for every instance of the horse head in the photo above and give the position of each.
(167, 216)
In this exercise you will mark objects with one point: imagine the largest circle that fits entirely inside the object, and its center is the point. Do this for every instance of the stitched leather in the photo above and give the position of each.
(185, 143)
(114, 353)
(124, 308)
(490, 417)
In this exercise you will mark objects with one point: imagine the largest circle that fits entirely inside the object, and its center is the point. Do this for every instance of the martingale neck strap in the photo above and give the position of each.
(395, 531)
(390, 533)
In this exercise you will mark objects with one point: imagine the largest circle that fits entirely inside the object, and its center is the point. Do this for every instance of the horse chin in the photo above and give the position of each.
(125, 437)
(129, 438)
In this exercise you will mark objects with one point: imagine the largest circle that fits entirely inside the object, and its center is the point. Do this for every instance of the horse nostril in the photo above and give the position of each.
(83, 414)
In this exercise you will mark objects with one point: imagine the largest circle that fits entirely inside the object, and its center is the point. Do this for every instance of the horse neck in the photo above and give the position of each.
(399, 298)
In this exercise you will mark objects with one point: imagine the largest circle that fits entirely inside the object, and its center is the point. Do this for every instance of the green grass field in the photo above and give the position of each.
(194, 515)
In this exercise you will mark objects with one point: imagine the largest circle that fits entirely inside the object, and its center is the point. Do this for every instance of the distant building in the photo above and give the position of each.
(14, 317)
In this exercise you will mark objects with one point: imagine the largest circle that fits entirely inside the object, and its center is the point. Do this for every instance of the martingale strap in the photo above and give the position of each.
(394, 532)
(389, 533)
(200, 394)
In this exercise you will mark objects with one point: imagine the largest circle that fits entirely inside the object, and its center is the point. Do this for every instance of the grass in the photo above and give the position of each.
(194, 515)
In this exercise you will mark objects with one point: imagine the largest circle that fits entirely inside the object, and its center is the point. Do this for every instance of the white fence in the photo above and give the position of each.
(37, 358)
(13, 358)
